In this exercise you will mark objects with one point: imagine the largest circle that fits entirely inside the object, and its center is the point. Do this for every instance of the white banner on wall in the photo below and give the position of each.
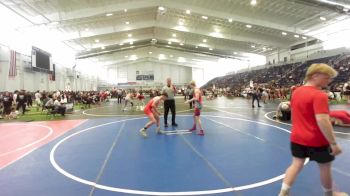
(145, 75)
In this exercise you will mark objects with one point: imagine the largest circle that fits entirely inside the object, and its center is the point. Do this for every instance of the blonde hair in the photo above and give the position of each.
(193, 83)
(320, 68)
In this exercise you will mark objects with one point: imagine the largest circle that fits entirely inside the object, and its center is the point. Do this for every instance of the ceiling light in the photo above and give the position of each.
(169, 42)
(149, 52)
(161, 8)
(121, 44)
(181, 60)
(204, 40)
(126, 56)
(171, 56)
(188, 11)
(196, 47)
(284, 33)
(102, 47)
(253, 2)
(264, 48)
(161, 57)
(133, 57)
(230, 20)
(154, 39)
(174, 35)
(131, 43)
(235, 53)
(125, 10)
(96, 40)
(129, 35)
(181, 22)
(296, 36)
(210, 49)
(127, 22)
(248, 26)
(109, 14)
(304, 37)
(181, 44)
(205, 17)
(253, 46)
(322, 18)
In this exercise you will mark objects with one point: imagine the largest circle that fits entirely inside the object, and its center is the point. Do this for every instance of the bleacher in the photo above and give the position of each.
(284, 75)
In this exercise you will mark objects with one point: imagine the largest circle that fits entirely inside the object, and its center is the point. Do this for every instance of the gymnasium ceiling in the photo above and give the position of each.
(114, 31)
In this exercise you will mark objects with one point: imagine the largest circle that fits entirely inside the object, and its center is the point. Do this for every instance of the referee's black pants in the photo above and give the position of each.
(169, 104)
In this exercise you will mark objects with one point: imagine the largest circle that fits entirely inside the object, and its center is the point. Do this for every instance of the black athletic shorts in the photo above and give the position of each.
(318, 154)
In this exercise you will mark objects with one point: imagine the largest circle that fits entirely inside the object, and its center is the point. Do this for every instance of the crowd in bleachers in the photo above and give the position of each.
(276, 81)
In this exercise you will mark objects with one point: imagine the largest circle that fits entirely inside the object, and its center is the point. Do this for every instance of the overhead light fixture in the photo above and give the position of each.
(129, 35)
(181, 22)
(181, 44)
(150, 52)
(196, 47)
(109, 14)
(121, 44)
(127, 22)
(210, 49)
(230, 20)
(133, 57)
(235, 53)
(248, 26)
(181, 60)
(253, 2)
(322, 18)
(171, 56)
(284, 33)
(97, 40)
(304, 37)
(188, 11)
(161, 57)
(174, 35)
(169, 42)
(125, 10)
(131, 42)
(253, 46)
(205, 17)
(296, 36)
(264, 48)
(102, 47)
(204, 40)
(161, 8)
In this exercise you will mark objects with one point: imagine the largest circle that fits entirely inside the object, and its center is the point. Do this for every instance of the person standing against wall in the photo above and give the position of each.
(169, 103)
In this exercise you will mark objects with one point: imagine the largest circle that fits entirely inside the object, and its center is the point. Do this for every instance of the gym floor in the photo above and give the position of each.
(100, 152)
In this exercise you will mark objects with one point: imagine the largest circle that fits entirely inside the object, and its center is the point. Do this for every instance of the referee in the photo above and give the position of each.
(169, 103)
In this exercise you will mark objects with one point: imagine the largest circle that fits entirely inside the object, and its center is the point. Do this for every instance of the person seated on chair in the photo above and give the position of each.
(283, 112)
(58, 107)
(49, 104)
(13, 114)
(340, 118)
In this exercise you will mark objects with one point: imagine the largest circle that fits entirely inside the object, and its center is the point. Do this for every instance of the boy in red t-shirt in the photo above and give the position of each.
(152, 113)
(312, 132)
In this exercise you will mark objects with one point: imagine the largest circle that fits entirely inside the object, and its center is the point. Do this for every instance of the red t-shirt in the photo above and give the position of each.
(342, 115)
(307, 101)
